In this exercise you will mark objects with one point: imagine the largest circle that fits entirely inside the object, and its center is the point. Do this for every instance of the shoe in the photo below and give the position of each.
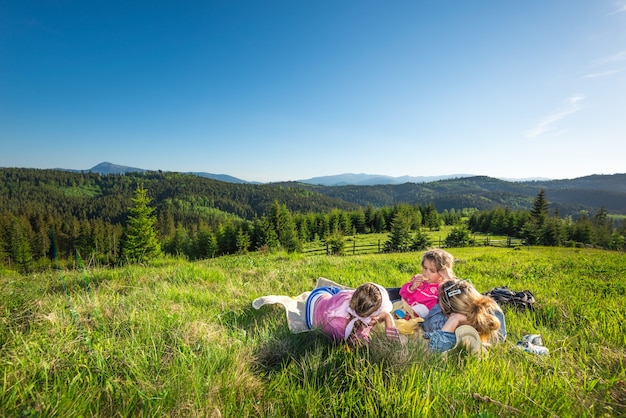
(532, 343)
(534, 339)
(469, 338)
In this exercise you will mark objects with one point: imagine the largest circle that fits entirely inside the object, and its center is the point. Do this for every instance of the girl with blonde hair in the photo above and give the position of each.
(461, 305)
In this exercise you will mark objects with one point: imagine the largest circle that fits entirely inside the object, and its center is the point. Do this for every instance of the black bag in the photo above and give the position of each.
(507, 297)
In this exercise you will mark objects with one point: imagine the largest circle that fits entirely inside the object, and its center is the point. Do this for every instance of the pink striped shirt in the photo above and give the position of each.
(331, 316)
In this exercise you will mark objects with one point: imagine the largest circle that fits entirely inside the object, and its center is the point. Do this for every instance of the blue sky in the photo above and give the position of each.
(288, 90)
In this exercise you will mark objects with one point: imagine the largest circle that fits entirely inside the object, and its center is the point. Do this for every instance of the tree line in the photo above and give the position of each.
(50, 216)
(538, 226)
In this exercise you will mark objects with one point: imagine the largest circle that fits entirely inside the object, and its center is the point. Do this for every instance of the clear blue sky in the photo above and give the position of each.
(287, 90)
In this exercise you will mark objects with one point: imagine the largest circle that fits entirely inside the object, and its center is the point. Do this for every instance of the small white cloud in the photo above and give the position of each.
(600, 74)
(548, 122)
(575, 99)
(620, 56)
(620, 9)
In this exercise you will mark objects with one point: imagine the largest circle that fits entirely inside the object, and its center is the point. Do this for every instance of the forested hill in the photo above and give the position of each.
(107, 197)
(568, 196)
(93, 196)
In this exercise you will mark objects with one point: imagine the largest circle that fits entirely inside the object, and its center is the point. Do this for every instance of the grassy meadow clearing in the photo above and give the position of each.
(178, 338)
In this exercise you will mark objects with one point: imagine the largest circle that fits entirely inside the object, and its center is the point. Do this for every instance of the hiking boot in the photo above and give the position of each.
(468, 337)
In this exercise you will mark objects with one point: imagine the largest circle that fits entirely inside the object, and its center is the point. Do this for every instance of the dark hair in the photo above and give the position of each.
(366, 299)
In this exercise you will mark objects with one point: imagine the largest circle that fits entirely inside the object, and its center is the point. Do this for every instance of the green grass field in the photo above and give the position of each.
(177, 338)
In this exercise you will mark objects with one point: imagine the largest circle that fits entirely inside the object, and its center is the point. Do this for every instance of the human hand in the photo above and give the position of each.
(383, 317)
(416, 281)
(446, 274)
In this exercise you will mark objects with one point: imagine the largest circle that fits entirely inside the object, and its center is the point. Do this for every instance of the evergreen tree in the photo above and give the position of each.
(335, 244)
(378, 222)
(539, 210)
(358, 221)
(302, 225)
(140, 240)
(4, 242)
(458, 237)
(243, 242)
(264, 234)
(421, 240)
(431, 218)
(369, 218)
(227, 238)
(400, 237)
(21, 252)
(206, 245)
(552, 232)
(285, 227)
(179, 244)
(533, 231)
(603, 228)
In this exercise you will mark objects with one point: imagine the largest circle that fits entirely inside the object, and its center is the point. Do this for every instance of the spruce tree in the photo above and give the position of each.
(534, 230)
(400, 236)
(140, 240)
(539, 210)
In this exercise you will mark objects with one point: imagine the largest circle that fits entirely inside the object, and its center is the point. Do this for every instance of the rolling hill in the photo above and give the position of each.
(247, 200)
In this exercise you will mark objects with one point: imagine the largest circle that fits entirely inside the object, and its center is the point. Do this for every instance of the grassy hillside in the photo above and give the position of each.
(180, 339)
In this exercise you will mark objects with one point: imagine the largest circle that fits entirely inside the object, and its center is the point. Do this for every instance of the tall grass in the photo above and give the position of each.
(177, 338)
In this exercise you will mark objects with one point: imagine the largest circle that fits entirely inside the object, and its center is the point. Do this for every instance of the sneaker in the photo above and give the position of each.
(534, 339)
(469, 338)
(532, 343)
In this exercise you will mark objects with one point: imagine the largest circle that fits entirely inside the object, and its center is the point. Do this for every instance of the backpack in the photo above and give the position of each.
(507, 297)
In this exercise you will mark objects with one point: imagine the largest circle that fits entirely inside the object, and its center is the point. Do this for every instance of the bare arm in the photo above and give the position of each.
(454, 321)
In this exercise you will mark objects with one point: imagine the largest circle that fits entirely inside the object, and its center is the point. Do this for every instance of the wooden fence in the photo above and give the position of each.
(379, 247)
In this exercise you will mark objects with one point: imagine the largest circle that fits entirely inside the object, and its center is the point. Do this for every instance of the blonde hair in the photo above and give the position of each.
(459, 296)
(440, 258)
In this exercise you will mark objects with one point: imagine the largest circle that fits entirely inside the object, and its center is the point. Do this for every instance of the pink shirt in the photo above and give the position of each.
(331, 316)
(426, 294)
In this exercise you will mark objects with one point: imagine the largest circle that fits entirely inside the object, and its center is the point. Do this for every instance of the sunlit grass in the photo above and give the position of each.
(177, 338)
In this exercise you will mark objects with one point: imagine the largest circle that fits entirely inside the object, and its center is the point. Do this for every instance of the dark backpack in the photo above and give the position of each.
(507, 297)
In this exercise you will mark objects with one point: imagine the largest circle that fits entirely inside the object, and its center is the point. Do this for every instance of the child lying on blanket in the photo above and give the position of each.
(341, 314)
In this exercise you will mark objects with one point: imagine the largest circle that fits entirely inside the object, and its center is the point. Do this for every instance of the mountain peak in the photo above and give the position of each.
(110, 168)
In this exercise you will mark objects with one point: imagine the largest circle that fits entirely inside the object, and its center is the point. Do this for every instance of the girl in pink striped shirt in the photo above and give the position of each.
(350, 314)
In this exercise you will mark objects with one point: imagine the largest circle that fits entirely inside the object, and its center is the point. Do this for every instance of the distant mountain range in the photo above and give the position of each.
(350, 179)
(346, 179)
(567, 196)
